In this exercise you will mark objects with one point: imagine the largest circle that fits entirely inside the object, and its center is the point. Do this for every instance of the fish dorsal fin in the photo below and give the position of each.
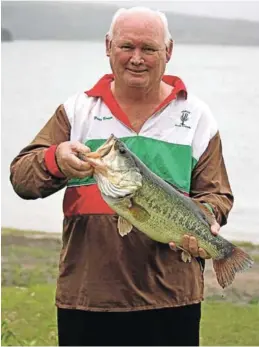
(206, 213)
(124, 227)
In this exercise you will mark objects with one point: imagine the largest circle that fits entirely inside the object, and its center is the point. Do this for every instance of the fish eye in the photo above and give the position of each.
(122, 150)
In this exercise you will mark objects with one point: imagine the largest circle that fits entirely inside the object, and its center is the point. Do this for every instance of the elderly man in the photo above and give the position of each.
(132, 290)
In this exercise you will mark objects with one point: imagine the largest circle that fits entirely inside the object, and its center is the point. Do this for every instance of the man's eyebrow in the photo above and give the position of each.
(151, 44)
(124, 40)
(145, 44)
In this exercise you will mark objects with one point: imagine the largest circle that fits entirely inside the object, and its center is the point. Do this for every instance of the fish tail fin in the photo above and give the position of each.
(227, 268)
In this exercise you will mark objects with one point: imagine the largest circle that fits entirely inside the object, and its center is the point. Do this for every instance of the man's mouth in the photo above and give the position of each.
(136, 71)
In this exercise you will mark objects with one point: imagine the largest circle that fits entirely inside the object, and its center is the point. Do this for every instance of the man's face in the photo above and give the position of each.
(138, 54)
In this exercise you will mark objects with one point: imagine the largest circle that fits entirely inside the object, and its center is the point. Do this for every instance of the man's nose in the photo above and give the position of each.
(136, 57)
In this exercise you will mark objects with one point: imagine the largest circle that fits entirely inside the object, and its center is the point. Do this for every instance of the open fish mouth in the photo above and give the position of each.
(114, 170)
(95, 158)
(106, 148)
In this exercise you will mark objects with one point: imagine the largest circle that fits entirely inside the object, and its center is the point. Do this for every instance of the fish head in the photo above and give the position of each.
(115, 170)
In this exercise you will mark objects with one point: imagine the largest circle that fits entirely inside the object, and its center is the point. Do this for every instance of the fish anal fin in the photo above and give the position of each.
(227, 268)
(124, 227)
(185, 255)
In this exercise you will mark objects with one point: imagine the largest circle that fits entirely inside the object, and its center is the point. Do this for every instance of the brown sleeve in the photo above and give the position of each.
(210, 182)
(34, 172)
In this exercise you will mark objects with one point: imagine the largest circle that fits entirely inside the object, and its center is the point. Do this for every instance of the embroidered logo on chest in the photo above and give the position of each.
(185, 117)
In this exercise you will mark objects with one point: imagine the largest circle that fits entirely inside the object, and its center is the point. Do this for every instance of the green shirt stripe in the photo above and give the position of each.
(172, 162)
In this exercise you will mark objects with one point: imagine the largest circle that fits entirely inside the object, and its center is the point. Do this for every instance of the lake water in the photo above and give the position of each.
(38, 76)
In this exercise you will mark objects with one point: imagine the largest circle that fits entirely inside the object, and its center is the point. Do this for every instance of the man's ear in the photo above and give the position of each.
(169, 50)
(108, 45)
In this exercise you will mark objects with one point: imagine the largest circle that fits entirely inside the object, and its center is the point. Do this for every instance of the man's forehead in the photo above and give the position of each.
(138, 33)
(139, 24)
(137, 40)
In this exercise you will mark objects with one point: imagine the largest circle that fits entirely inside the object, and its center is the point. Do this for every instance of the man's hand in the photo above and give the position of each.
(190, 244)
(68, 161)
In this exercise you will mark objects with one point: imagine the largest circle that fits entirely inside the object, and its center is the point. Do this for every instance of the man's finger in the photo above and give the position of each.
(173, 246)
(185, 242)
(193, 246)
(86, 173)
(77, 164)
(215, 228)
(203, 254)
(78, 147)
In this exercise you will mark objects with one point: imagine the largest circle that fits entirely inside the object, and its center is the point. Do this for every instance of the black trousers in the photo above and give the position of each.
(163, 327)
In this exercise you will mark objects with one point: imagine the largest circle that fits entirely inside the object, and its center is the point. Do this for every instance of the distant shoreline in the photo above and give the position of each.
(225, 45)
(76, 21)
(38, 234)
(6, 35)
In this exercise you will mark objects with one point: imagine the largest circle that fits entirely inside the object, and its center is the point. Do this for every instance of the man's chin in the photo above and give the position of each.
(137, 82)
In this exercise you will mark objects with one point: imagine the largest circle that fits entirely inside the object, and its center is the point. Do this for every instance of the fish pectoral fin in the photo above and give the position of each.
(138, 212)
(124, 226)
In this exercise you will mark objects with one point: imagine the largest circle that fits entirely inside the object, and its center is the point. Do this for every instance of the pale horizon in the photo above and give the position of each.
(246, 10)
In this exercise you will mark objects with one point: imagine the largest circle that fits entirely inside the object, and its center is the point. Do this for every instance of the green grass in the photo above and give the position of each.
(29, 317)
(29, 272)
(27, 233)
(226, 324)
(246, 244)
(29, 259)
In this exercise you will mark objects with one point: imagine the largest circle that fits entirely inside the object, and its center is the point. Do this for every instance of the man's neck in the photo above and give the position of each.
(127, 95)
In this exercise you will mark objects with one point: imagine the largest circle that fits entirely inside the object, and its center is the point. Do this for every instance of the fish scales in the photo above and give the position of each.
(166, 223)
(143, 200)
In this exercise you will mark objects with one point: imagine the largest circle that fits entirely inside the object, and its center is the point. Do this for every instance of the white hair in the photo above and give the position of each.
(140, 9)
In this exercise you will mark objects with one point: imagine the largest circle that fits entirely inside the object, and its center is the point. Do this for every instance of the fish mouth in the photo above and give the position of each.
(107, 146)
(115, 174)
(95, 158)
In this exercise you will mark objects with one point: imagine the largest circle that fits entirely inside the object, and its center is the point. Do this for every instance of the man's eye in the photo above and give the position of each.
(126, 47)
(149, 49)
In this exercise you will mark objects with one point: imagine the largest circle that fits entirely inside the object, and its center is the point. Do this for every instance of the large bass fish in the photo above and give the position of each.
(144, 200)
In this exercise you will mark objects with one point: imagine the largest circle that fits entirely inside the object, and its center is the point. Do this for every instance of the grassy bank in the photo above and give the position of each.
(29, 270)
(28, 316)
(29, 258)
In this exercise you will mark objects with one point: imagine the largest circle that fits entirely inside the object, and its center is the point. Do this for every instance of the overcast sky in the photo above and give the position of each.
(223, 9)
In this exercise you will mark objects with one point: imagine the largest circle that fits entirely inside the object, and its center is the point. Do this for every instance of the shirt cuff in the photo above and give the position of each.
(51, 163)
